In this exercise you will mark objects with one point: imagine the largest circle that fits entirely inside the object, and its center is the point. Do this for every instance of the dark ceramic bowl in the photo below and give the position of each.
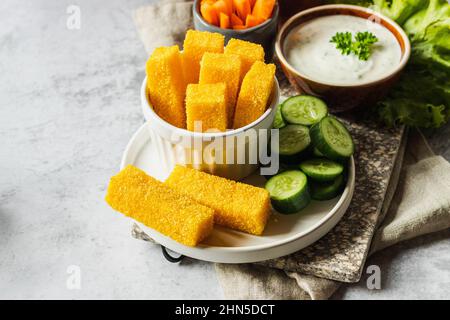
(264, 33)
(343, 97)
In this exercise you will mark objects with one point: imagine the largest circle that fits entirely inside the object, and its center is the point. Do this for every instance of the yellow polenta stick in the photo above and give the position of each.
(149, 201)
(166, 85)
(218, 67)
(237, 205)
(248, 51)
(254, 95)
(206, 103)
(196, 43)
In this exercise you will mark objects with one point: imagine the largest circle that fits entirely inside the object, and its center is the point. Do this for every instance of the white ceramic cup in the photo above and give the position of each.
(233, 154)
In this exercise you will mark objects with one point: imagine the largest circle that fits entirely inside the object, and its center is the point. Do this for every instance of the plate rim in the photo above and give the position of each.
(348, 192)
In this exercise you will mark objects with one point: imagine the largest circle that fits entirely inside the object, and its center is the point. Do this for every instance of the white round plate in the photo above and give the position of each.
(284, 234)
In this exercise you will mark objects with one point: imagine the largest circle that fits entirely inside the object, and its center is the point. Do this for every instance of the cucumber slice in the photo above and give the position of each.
(327, 190)
(321, 169)
(303, 109)
(332, 139)
(294, 142)
(294, 138)
(289, 191)
(278, 121)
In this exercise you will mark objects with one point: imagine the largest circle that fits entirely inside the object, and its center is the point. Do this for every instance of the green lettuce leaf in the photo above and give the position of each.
(437, 11)
(399, 10)
(417, 114)
(432, 47)
(419, 99)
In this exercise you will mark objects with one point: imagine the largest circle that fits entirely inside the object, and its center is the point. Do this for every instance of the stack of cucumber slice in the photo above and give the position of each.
(314, 148)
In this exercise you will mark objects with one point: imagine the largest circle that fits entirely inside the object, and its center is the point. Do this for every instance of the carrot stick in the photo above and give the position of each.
(210, 2)
(224, 21)
(252, 21)
(230, 7)
(236, 21)
(242, 8)
(221, 6)
(263, 8)
(239, 27)
(209, 13)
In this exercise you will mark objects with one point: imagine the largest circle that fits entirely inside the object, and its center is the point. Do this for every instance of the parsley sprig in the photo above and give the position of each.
(360, 47)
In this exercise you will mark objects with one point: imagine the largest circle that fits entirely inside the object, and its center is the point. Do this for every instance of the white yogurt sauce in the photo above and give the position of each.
(308, 49)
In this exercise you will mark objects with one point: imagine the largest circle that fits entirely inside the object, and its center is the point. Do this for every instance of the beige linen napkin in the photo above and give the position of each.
(420, 205)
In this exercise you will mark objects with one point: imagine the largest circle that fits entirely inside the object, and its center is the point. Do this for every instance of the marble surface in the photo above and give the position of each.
(69, 103)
